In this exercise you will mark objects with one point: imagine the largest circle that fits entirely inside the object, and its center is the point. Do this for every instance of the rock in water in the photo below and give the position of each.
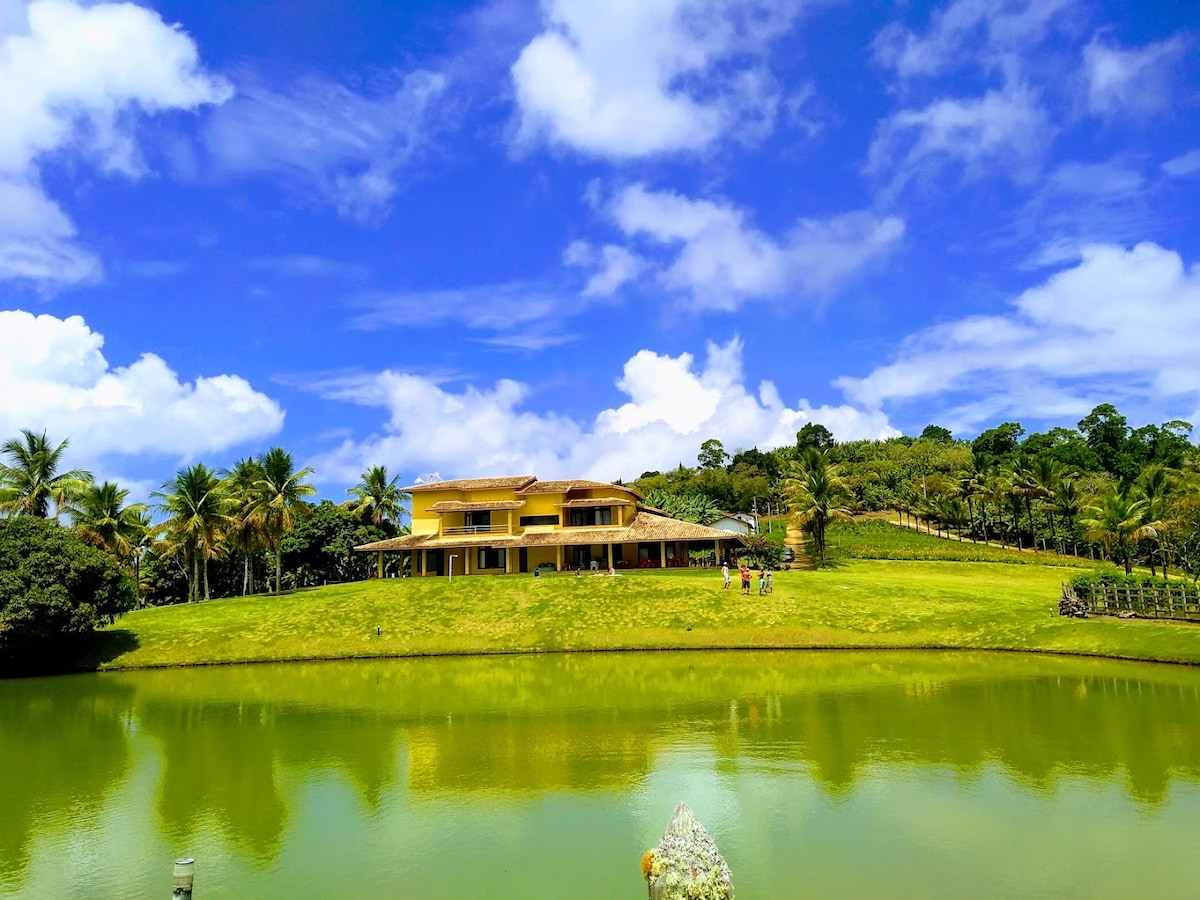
(686, 864)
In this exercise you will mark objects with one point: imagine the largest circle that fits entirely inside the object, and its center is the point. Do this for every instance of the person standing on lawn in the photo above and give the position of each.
(725, 575)
(745, 573)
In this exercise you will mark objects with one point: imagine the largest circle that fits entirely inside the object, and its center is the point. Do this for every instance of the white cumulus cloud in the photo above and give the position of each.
(632, 78)
(54, 377)
(719, 259)
(71, 75)
(1121, 324)
(674, 404)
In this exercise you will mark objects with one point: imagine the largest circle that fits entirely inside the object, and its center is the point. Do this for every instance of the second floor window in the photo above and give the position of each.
(601, 515)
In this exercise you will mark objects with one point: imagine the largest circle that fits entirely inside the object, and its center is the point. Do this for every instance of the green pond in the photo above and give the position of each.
(822, 774)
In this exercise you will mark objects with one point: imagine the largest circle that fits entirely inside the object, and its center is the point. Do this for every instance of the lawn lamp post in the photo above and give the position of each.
(450, 572)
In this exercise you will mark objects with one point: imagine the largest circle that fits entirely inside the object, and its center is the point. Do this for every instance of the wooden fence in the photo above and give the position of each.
(1166, 600)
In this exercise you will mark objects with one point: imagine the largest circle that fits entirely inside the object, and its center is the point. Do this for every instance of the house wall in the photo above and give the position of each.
(536, 504)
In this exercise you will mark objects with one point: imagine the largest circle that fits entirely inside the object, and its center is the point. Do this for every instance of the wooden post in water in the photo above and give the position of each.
(686, 864)
(184, 874)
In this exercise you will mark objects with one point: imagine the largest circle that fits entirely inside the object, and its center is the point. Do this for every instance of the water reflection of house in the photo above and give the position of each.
(520, 524)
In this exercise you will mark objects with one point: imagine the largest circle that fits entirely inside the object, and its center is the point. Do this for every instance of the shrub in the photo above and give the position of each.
(55, 590)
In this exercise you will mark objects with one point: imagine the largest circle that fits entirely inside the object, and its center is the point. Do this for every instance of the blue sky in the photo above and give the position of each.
(579, 238)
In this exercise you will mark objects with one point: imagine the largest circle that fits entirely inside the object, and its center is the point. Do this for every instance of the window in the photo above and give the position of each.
(601, 515)
(538, 520)
(479, 518)
(491, 558)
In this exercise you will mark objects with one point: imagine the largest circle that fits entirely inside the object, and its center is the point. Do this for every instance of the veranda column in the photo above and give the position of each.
(560, 557)
(467, 560)
(380, 563)
(508, 563)
(662, 554)
(424, 563)
(610, 559)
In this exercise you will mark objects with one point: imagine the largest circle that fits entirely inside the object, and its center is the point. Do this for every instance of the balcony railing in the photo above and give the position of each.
(474, 529)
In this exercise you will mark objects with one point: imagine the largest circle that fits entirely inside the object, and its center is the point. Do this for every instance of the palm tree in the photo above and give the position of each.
(815, 494)
(377, 495)
(1157, 485)
(30, 479)
(247, 524)
(196, 507)
(1048, 475)
(100, 511)
(1119, 520)
(1024, 488)
(281, 493)
(1068, 503)
(972, 483)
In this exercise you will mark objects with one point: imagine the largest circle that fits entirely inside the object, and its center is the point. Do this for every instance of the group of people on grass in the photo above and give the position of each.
(765, 575)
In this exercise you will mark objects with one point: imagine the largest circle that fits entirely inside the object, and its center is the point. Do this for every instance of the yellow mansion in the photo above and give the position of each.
(477, 526)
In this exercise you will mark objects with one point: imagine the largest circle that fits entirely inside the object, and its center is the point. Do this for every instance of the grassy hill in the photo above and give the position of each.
(878, 538)
(853, 603)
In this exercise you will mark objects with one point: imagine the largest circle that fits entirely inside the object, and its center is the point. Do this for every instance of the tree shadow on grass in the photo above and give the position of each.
(105, 646)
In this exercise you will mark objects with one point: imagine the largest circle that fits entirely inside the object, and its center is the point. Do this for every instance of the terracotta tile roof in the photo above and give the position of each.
(644, 527)
(404, 542)
(597, 501)
(564, 486)
(480, 506)
(513, 482)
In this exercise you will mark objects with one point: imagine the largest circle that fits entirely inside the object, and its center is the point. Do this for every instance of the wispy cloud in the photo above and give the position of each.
(348, 148)
(1137, 81)
(519, 315)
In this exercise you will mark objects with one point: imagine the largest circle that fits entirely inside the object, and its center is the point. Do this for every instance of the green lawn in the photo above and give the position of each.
(877, 538)
(856, 603)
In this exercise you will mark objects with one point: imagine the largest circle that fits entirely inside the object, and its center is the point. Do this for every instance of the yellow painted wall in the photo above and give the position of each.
(539, 555)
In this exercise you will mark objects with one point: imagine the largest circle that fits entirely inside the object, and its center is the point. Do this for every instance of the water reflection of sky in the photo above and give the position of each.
(919, 774)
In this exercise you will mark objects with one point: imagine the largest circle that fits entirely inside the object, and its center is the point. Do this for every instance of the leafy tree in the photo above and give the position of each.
(321, 546)
(1107, 435)
(694, 507)
(100, 511)
(378, 497)
(282, 490)
(196, 507)
(816, 495)
(31, 479)
(712, 455)
(812, 434)
(998, 443)
(55, 589)
(937, 434)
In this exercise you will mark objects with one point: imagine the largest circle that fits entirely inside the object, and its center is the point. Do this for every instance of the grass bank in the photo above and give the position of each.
(878, 538)
(854, 604)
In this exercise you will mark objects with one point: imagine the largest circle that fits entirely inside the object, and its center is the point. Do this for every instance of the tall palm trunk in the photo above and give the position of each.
(207, 594)
(194, 585)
